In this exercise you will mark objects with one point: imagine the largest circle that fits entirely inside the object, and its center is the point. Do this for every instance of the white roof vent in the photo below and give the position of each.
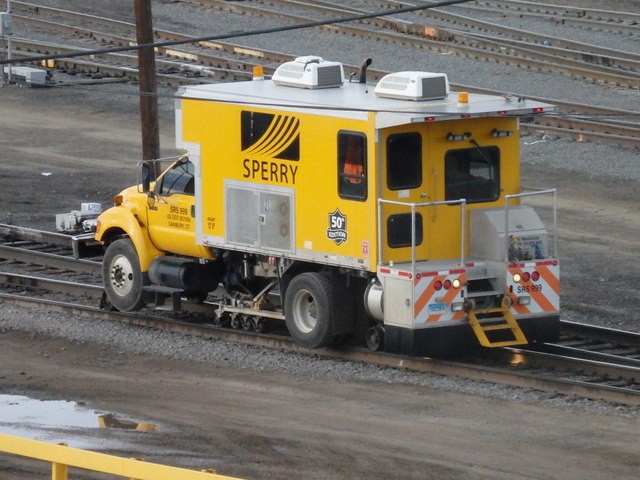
(413, 86)
(309, 72)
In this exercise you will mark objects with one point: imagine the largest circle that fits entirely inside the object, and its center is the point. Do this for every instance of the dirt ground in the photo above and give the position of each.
(256, 425)
(58, 148)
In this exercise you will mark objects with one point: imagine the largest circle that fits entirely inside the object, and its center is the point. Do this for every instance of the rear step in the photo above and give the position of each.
(500, 319)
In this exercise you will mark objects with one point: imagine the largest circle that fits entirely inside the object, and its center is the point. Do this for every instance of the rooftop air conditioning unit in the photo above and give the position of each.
(309, 72)
(413, 86)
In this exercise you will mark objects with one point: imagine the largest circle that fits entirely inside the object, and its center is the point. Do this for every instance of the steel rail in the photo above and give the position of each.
(190, 56)
(622, 28)
(565, 351)
(580, 55)
(603, 25)
(52, 260)
(569, 360)
(526, 41)
(118, 64)
(545, 48)
(420, 365)
(605, 76)
(627, 135)
(351, 354)
(58, 286)
(34, 235)
(520, 7)
(124, 73)
(276, 58)
(601, 333)
(514, 33)
(582, 129)
(608, 75)
(581, 135)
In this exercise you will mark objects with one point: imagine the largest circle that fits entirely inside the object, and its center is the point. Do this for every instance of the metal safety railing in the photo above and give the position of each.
(413, 207)
(531, 193)
(62, 457)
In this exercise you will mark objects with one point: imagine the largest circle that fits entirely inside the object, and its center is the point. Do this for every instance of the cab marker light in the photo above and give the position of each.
(495, 133)
(117, 200)
(458, 137)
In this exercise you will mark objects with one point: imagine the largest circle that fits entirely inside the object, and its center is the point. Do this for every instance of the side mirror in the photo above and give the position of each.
(145, 174)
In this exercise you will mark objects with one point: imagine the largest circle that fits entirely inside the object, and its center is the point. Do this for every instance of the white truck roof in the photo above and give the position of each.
(357, 100)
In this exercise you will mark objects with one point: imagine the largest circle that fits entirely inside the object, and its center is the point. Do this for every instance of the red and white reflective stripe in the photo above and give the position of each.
(544, 293)
(431, 305)
(400, 273)
(534, 264)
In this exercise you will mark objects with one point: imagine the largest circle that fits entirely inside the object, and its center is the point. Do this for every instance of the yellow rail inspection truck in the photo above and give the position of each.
(388, 214)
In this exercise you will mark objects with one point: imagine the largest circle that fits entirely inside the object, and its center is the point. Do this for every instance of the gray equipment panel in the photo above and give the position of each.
(528, 238)
(259, 218)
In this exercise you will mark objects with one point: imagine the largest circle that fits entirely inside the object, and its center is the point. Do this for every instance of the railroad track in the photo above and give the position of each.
(468, 36)
(217, 61)
(601, 364)
(587, 18)
(503, 43)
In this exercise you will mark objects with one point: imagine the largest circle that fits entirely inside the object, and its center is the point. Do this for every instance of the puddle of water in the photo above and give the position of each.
(44, 420)
(28, 412)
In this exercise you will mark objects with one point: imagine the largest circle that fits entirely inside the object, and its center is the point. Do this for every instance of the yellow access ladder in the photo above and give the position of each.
(499, 318)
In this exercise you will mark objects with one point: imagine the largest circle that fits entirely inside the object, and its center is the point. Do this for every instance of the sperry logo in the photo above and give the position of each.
(268, 139)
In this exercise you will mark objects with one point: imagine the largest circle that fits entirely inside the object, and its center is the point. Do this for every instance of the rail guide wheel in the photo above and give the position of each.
(375, 338)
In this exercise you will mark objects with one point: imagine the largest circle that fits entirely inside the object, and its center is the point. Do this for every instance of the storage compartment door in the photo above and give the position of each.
(242, 216)
(275, 221)
(259, 218)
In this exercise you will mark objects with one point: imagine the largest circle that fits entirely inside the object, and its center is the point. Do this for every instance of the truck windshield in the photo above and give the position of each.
(178, 179)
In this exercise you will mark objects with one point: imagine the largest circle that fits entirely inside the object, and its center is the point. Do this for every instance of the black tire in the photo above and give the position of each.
(122, 277)
(308, 310)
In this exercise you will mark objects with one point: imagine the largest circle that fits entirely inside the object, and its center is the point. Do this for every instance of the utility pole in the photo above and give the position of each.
(148, 84)
(6, 30)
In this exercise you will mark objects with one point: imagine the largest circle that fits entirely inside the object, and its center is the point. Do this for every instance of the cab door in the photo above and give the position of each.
(171, 212)
(404, 175)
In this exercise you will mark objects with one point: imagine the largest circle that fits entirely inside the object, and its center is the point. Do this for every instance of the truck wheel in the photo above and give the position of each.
(122, 277)
(308, 310)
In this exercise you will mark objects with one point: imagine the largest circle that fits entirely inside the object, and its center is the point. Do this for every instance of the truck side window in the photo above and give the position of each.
(404, 161)
(178, 179)
(473, 174)
(352, 165)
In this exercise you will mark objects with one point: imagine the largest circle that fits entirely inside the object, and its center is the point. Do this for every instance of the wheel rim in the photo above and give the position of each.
(305, 311)
(121, 275)
(374, 338)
